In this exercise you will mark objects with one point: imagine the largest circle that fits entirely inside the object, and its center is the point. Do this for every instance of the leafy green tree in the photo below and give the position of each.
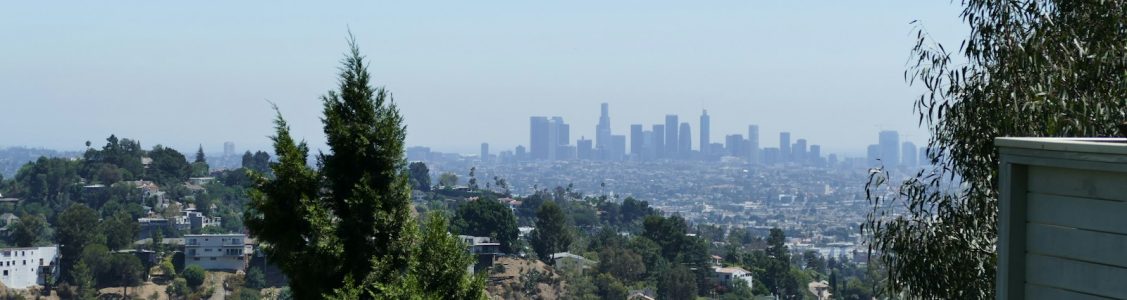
(29, 230)
(347, 229)
(551, 234)
(179, 288)
(120, 156)
(420, 176)
(441, 264)
(738, 291)
(472, 184)
(249, 294)
(76, 227)
(120, 231)
(194, 276)
(1024, 70)
(447, 180)
(157, 240)
(83, 281)
(610, 287)
(125, 270)
(258, 161)
(678, 283)
(98, 259)
(169, 166)
(487, 217)
(669, 233)
(622, 263)
(255, 278)
(777, 266)
(46, 181)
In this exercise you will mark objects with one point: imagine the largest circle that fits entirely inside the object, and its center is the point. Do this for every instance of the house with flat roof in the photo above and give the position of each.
(218, 252)
(22, 268)
(733, 275)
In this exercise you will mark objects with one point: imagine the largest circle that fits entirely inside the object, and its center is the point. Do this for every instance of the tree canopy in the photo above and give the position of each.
(169, 166)
(420, 176)
(551, 234)
(1038, 68)
(347, 230)
(487, 217)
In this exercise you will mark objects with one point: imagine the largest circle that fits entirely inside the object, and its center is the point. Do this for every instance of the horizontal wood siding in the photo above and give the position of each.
(1083, 277)
(1077, 244)
(1090, 214)
(1078, 183)
(1038, 292)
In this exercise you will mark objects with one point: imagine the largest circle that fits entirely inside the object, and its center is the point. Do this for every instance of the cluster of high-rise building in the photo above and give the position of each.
(890, 152)
(549, 139)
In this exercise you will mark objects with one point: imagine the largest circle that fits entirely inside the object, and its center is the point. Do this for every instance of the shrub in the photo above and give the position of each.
(194, 275)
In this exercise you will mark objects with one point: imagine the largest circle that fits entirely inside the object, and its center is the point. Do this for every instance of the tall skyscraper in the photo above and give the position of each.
(889, 148)
(636, 140)
(815, 155)
(753, 144)
(602, 130)
(563, 132)
(584, 149)
(484, 151)
(923, 160)
(909, 155)
(228, 149)
(539, 140)
(799, 153)
(617, 147)
(872, 155)
(734, 144)
(547, 136)
(520, 153)
(685, 146)
(705, 121)
(659, 140)
(649, 151)
(671, 136)
(784, 146)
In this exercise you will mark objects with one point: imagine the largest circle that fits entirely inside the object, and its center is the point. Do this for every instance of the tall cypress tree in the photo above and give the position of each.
(347, 230)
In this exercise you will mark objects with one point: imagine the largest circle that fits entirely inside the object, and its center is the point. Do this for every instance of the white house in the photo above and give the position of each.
(216, 251)
(567, 260)
(484, 249)
(22, 268)
(732, 275)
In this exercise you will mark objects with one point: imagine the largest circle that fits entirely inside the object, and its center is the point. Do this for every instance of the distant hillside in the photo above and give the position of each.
(12, 158)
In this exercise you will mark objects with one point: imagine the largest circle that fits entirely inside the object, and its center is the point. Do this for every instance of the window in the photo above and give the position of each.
(196, 258)
(25, 262)
(213, 258)
(5, 272)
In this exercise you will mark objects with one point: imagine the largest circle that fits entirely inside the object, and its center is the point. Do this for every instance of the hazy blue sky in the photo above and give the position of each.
(463, 72)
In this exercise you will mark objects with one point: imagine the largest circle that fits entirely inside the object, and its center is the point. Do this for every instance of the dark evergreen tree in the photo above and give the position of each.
(420, 176)
(551, 234)
(200, 158)
(347, 231)
(76, 227)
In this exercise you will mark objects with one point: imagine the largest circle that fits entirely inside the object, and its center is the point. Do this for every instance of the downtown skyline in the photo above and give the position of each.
(835, 74)
(553, 138)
